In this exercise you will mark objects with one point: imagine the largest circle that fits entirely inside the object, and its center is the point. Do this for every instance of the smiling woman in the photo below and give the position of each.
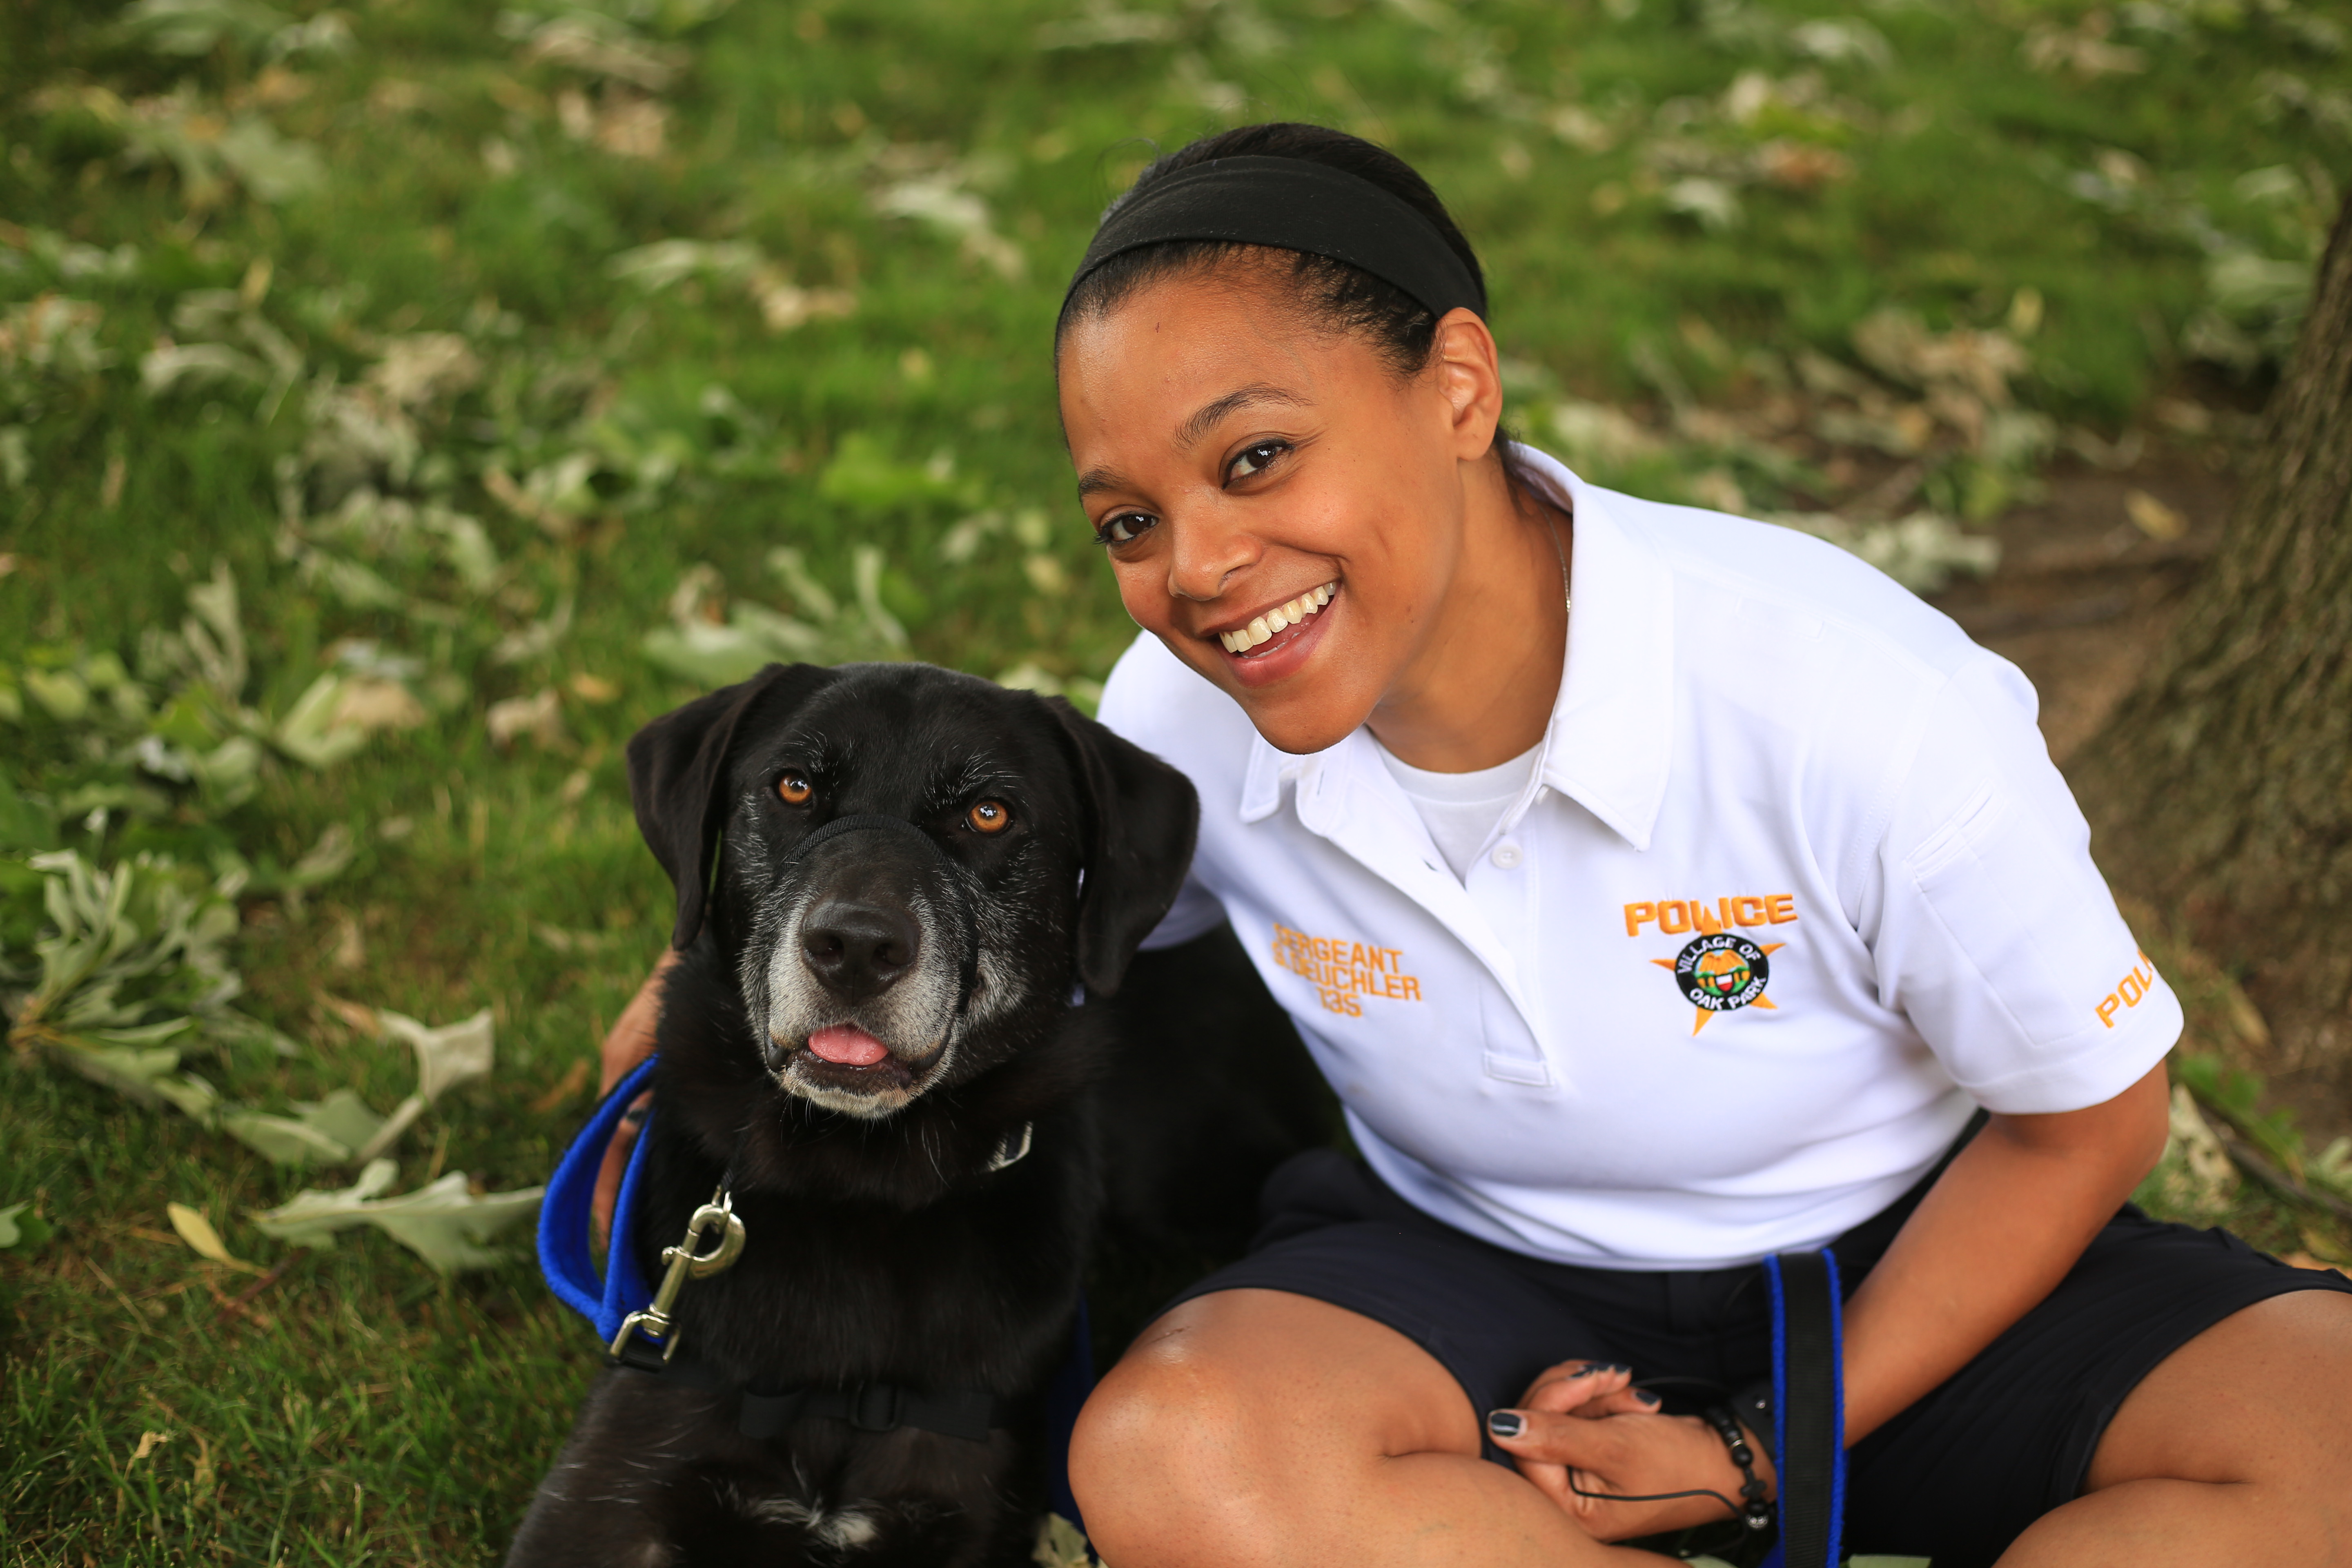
(1416, 747)
(1364, 467)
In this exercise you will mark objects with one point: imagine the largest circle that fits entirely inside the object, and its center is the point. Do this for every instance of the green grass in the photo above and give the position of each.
(363, 1409)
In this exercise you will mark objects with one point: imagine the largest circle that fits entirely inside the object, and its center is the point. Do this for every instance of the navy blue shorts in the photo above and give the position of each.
(1956, 1476)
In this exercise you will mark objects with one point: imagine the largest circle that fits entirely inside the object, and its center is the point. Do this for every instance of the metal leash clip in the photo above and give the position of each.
(655, 1322)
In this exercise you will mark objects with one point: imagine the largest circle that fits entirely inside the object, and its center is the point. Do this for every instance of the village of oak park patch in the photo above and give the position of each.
(1722, 972)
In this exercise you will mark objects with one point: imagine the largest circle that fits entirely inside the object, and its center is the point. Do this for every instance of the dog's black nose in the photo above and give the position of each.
(857, 949)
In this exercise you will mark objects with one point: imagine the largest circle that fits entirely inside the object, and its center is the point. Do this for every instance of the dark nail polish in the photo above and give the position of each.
(1616, 1367)
(1506, 1422)
(1646, 1397)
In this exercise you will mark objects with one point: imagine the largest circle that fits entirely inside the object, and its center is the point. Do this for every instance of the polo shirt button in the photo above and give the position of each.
(1506, 856)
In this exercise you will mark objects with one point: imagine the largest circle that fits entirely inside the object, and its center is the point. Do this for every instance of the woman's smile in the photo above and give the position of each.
(1274, 643)
(1259, 630)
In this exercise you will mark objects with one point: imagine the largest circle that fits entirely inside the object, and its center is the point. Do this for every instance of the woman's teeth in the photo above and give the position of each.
(1278, 619)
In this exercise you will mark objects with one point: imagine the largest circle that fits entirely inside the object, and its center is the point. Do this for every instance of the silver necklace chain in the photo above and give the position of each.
(1567, 600)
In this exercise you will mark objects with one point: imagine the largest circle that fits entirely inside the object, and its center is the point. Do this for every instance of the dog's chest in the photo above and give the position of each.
(901, 1301)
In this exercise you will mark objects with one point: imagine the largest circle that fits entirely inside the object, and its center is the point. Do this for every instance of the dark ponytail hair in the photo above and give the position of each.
(1334, 295)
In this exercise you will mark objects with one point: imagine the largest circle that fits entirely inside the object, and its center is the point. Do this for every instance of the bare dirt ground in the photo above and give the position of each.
(2084, 595)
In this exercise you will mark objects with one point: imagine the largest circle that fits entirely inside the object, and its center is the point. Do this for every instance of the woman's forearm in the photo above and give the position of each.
(1991, 1238)
(631, 1038)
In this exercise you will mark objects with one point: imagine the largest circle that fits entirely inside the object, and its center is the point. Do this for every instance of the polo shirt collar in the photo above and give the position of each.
(1611, 736)
(1610, 739)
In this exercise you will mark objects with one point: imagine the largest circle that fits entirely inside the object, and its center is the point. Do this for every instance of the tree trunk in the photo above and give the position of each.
(2220, 788)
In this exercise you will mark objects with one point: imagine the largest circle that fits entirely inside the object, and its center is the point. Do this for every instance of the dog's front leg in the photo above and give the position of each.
(599, 1505)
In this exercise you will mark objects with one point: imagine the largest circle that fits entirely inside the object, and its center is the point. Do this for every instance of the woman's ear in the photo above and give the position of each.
(677, 777)
(1141, 818)
(1470, 378)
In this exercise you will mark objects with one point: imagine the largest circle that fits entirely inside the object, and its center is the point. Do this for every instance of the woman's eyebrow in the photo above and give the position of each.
(1203, 421)
(1205, 417)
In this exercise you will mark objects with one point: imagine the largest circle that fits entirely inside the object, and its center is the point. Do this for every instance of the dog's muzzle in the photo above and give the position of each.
(857, 945)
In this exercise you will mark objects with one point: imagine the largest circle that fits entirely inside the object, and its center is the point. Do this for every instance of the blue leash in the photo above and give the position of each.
(1808, 1407)
(607, 1301)
(564, 1218)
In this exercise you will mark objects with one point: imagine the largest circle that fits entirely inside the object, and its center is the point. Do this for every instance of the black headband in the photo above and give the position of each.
(1293, 205)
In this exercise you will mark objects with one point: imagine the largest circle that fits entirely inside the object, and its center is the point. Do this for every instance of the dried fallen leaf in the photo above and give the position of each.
(1713, 203)
(563, 941)
(1593, 434)
(2152, 517)
(628, 126)
(1800, 165)
(536, 639)
(2199, 1150)
(358, 1016)
(202, 1239)
(1061, 1544)
(336, 714)
(574, 1079)
(1898, 345)
(2085, 50)
(1922, 552)
(597, 45)
(425, 367)
(539, 716)
(593, 688)
(785, 305)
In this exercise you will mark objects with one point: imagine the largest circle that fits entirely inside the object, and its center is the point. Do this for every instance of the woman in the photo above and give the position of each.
(1658, 891)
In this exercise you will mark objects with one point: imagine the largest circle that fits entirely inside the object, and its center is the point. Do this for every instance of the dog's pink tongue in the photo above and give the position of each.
(848, 1044)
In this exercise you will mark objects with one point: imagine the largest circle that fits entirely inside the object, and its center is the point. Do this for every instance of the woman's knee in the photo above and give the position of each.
(2264, 1396)
(1164, 1413)
(1165, 1461)
(1239, 1415)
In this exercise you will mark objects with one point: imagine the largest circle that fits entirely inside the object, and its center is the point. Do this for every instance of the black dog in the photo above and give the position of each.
(871, 1040)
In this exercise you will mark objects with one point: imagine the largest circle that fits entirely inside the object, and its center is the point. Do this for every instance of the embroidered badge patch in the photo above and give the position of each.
(1720, 971)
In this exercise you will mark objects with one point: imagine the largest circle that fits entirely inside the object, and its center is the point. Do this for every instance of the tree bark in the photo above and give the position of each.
(2220, 788)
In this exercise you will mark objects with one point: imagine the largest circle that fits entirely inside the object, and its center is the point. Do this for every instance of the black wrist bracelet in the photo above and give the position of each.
(1754, 1510)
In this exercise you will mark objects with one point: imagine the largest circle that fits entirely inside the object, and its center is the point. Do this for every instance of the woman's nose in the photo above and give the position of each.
(1204, 554)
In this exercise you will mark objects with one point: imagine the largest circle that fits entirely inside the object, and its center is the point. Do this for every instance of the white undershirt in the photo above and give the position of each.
(1463, 809)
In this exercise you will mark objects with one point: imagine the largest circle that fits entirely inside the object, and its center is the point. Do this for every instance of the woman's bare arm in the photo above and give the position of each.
(629, 1042)
(1991, 1238)
(631, 1038)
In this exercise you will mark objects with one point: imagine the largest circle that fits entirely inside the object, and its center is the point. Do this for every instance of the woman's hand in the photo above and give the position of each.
(1584, 1425)
(630, 1042)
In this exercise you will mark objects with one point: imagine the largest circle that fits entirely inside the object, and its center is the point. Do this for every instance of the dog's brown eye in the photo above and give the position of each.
(989, 816)
(794, 788)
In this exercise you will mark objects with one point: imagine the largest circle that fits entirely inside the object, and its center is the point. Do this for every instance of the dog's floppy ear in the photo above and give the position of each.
(677, 770)
(1141, 817)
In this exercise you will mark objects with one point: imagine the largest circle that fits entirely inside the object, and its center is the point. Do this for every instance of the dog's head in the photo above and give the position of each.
(908, 863)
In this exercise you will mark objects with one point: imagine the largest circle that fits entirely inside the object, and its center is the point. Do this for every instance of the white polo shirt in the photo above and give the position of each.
(1794, 887)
